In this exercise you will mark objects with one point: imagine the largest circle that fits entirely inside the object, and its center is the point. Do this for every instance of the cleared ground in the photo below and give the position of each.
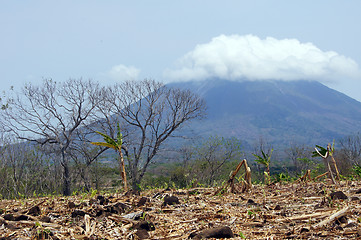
(279, 211)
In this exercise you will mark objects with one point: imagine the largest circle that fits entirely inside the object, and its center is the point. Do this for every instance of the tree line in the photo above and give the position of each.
(209, 162)
(60, 119)
(46, 133)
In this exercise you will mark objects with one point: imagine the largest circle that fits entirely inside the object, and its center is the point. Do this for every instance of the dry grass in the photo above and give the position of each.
(279, 211)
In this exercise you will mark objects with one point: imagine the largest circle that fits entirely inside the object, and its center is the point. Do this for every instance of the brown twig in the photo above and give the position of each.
(320, 176)
(334, 216)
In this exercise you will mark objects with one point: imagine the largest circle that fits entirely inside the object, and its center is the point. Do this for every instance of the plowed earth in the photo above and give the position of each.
(279, 211)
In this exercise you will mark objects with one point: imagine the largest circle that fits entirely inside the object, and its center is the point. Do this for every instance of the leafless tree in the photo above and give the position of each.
(24, 170)
(50, 114)
(298, 154)
(84, 155)
(213, 154)
(348, 153)
(149, 113)
(350, 148)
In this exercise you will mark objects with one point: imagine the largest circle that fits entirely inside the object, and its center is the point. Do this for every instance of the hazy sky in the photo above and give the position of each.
(110, 41)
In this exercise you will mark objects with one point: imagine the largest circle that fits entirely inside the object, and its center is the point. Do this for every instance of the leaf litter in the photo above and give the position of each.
(299, 210)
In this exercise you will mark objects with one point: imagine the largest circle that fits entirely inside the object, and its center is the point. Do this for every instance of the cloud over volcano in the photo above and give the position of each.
(248, 57)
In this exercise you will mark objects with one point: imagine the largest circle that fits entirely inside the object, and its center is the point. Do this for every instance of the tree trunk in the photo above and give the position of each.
(66, 179)
(136, 178)
(84, 174)
(135, 184)
(66, 175)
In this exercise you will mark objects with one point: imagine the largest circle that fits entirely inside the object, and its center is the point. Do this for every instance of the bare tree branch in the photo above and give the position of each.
(51, 114)
(150, 113)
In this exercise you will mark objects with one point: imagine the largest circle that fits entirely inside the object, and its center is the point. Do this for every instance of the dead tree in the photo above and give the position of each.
(50, 114)
(149, 113)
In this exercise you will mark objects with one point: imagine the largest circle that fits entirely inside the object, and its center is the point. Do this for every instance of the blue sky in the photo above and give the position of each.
(180, 40)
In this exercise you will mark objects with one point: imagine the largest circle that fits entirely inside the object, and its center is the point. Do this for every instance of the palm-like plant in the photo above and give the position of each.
(115, 144)
(265, 159)
(324, 153)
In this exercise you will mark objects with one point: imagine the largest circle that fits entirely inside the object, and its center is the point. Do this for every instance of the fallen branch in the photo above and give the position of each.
(320, 176)
(331, 218)
(304, 217)
(34, 223)
(121, 219)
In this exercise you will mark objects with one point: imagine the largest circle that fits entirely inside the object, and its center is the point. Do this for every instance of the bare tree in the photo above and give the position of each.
(149, 113)
(213, 154)
(299, 154)
(50, 114)
(84, 155)
(351, 149)
(24, 170)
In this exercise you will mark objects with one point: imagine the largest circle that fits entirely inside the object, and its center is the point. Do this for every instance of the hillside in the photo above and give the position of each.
(278, 111)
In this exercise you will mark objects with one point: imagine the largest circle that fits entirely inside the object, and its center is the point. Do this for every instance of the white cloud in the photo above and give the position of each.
(237, 57)
(121, 73)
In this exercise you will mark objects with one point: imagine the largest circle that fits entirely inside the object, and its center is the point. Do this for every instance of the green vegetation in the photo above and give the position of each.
(46, 146)
(28, 172)
(265, 159)
(115, 144)
(325, 153)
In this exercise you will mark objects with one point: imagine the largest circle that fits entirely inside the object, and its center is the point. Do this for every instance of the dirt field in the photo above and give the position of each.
(279, 211)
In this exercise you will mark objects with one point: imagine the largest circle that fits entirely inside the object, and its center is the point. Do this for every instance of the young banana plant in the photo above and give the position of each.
(324, 153)
(115, 144)
(265, 160)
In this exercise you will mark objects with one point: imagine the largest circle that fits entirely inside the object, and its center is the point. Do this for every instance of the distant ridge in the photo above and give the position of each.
(281, 112)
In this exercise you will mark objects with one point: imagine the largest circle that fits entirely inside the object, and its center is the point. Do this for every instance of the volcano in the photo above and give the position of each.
(281, 112)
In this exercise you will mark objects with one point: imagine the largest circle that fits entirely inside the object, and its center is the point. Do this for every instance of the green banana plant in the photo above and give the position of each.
(324, 153)
(265, 160)
(115, 144)
(320, 152)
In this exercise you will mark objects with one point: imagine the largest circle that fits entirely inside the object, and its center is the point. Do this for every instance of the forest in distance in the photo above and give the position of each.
(47, 131)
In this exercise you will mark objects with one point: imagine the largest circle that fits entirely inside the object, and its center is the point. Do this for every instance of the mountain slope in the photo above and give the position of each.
(281, 112)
